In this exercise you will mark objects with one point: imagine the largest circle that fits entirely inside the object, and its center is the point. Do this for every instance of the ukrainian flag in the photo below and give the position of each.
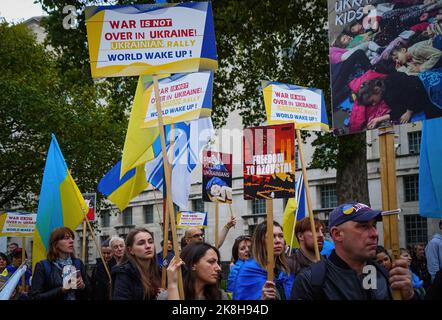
(122, 191)
(60, 204)
(295, 210)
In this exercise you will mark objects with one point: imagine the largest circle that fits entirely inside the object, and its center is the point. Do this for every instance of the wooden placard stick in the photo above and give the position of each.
(168, 183)
(83, 244)
(216, 224)
(269, 242)
(23, 259)
(389, 194)
(307, 193)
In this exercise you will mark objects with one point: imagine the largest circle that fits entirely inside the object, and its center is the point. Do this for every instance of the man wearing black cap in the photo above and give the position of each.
(350, 273)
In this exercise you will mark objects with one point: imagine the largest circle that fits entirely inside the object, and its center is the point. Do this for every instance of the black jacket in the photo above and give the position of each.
(127, 282)
(44, 288)
(340, 283)
(435, 290)
(100, 280)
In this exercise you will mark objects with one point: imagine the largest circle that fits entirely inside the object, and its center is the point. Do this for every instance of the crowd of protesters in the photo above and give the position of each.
(132, 266)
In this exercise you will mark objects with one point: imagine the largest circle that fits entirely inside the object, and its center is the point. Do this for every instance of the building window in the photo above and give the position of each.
(415, 229)
(414, 142)
(105, 218)
(198, 205)
(252, 228)
(258, 206)
(148, 213)
(127, 216)
(411, 188)
(328, 196)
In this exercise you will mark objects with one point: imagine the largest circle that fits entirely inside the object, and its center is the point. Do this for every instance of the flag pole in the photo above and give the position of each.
(168, 183)
(307, 193)
(83, 245)
(97, 245)
(389, 192)
(166, 216)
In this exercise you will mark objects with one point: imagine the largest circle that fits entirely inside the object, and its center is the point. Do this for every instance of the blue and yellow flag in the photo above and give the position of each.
(430, 170)
(295, 210)
(60, 204)
(122, 191)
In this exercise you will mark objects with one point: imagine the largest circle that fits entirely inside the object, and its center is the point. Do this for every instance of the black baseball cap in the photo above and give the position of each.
(353, 211)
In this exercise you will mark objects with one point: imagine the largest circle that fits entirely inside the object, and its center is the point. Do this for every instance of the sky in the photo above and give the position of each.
(19, 10)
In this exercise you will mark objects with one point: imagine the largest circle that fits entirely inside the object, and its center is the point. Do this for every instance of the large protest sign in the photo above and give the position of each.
(184, 97)
(151, 39)
(291, 103)
(17, 224)
(385, 63)
(217, 177)
(188, 219)
(269, 162)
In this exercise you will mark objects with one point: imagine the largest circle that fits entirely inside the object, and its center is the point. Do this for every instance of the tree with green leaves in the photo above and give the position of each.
(37, 100)
(283, 41)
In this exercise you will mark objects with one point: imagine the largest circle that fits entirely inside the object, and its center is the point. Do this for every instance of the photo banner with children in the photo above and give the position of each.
(291, 103)
(17, 224)
(217, 177)
(385, 63)
(189, 219)
(184, 97)
(151, 39)
(269, 162)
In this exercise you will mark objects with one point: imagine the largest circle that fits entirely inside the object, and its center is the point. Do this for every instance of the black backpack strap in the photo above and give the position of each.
(319, 271)
(48, 268)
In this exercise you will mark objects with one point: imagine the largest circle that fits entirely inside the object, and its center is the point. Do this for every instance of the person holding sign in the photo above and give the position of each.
(137, 276)
(351, 273)
(61, 276)
(251, 282)
(201, 264)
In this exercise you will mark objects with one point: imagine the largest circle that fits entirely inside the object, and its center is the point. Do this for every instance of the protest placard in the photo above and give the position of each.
(17, 224)
(269, 162)
(291, 103)
(188, 219)
(217, 177)
(184, 97)
(151, 39)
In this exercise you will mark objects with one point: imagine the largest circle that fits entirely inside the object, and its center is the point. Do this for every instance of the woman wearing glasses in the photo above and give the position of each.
(61, 276)
(240, 253)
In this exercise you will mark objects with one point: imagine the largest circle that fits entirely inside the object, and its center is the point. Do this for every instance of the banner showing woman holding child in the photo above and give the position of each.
(385, 62)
